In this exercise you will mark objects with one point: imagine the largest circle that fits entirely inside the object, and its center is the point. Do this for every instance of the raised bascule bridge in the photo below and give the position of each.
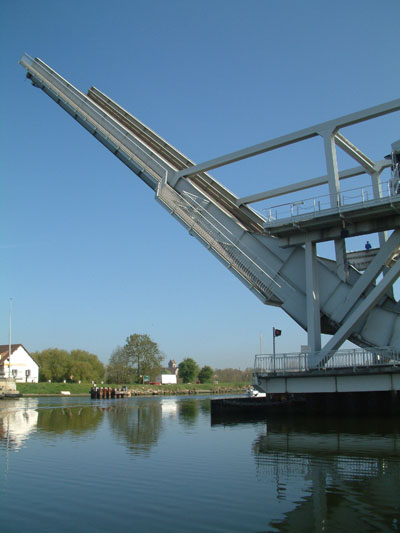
(349, 297)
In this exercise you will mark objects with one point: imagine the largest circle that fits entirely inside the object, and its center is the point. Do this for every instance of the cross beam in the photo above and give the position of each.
(286, 140)
(356, 316)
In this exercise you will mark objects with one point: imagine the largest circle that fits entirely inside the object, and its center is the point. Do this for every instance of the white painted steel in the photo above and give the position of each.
(313, 300)
(93, 118)
(232, 233)
(329, 384)
(320, 206)
(371, 273)
(357, 315)
(305, 184)
(338, 359)
(301, 135)
(346, 371)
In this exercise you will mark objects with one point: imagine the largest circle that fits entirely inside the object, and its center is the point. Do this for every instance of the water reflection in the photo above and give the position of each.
(190, 408)
(188, 412)
(17, 422)
(349, 471)
(137, 425)
(77, 420)
(275, 475)
(169, 407)
(205, 406)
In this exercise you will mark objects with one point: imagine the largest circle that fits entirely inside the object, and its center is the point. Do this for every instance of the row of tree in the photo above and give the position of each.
(233, 375)
(142, 357)
(189, 371)
(139, 357)
(77, 365)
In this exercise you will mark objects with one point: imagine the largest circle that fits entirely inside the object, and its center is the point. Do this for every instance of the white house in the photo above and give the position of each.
(23, 368)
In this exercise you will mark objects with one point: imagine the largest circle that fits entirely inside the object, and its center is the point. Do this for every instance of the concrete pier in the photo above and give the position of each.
(8, 388)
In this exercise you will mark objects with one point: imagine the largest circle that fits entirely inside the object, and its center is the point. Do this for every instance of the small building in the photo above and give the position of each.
(172, 368)
(168, 379)
(22, 367)
(168, 374)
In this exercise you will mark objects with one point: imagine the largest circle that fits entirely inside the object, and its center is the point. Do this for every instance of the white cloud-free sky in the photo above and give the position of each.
(88, 256)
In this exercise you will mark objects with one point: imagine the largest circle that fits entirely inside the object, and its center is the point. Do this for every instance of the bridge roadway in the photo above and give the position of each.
(321, 296)
(248, 217)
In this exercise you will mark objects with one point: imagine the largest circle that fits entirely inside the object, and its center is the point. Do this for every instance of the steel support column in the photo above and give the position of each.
(312, 295)
(377, 190)
(334, 191)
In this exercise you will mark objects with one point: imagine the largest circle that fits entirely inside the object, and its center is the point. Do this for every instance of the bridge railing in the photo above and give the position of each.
(346, 358)
(193, 211)
(316, 206)
(79, 104)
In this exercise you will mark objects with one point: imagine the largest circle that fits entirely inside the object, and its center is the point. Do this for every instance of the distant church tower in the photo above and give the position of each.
(172, 367)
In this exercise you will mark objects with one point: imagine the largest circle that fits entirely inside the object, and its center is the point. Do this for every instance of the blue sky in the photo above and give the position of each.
(88, 256)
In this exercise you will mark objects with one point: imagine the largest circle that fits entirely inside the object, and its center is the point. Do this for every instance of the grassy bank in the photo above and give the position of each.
(84, 388)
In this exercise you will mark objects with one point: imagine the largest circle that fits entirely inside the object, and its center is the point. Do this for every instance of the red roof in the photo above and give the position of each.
(4, 351)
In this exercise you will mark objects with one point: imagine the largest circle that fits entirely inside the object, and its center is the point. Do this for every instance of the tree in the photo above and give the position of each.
(57, 365)
(118, 368)
(205, 374)
(188, 370)
(139, 357)
(53, 364)
(85, 366)
(230, 375)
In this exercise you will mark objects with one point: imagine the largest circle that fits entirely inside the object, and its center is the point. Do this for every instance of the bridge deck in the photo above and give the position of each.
(333, 380)
(344, 371)
(365, 217)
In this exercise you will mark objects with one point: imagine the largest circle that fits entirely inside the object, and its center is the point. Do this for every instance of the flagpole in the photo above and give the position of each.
(9, 342)
(273, 345)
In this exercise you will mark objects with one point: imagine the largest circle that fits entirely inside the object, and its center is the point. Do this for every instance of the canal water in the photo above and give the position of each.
(161, 464)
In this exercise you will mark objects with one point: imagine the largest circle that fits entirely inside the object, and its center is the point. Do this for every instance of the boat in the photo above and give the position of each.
(251, 392)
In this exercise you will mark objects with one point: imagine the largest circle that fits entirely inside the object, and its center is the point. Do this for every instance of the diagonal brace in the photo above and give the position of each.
(373, 270)
(355, 153)
(355, 318)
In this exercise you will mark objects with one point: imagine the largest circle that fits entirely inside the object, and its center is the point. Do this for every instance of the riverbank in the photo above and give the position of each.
(83, 389)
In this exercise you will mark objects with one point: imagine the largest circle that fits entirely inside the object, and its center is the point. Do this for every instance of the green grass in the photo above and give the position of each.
(53, 388)
(84, 388)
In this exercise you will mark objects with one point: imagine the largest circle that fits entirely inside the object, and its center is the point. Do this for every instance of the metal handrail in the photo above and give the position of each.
(345, 358)
(321, 204)
(196, 217)
(91, 112)
(190, 209)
